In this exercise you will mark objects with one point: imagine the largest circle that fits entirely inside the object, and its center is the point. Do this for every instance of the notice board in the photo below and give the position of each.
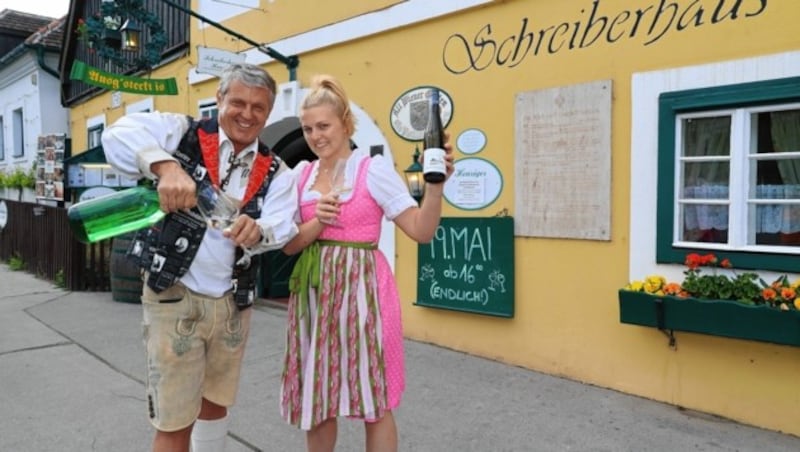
(469, 266)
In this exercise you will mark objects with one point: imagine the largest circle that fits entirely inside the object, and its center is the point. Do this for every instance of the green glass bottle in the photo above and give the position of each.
(114, 214)
(434, 169)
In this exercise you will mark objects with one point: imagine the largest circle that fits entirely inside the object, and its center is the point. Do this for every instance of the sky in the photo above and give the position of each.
(48, 8)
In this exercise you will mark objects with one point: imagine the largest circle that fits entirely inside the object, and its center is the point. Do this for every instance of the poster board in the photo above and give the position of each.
(50, 167)
(469, 266)
(562, 162)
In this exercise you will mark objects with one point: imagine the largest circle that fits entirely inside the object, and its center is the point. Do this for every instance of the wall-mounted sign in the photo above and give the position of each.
(3, 214)
(471, 141)
(50, 167)
(409, 114)
(214, 61)
(93, 76)
(475, 184)
(469, 266)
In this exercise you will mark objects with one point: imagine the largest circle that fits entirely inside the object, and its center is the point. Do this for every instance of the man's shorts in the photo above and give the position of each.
(195, 346)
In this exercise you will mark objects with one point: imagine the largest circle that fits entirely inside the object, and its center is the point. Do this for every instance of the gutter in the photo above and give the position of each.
(40, 59)
(39, 49)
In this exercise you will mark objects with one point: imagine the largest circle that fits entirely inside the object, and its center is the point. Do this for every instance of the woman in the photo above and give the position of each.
(344, 350)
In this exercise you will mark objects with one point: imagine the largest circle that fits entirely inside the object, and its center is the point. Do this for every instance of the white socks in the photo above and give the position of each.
(209, 436)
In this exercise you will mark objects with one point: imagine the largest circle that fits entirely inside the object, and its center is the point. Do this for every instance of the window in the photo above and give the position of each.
(93, 135)
(729, 174)
(208, 109)
(2, 140)
(18, 133)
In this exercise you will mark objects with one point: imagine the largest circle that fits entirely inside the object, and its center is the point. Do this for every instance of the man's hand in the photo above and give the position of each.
(176, 190)
(244, 232)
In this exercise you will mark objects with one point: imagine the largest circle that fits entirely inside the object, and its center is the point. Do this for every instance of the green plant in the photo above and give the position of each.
(745, 287)
(16, 263)
(60, 279)
(19, 178)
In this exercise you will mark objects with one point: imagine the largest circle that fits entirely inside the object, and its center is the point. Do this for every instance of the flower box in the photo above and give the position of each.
(714, 317)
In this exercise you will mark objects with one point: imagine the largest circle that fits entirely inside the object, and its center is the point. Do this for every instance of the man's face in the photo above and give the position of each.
(243, 112)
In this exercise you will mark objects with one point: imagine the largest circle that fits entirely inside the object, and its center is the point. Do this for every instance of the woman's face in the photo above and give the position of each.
(325, 132)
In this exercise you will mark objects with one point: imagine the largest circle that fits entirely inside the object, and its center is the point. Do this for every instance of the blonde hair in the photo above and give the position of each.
(326, 90)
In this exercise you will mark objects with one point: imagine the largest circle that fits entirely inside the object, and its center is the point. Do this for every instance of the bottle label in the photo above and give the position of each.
(433, 161)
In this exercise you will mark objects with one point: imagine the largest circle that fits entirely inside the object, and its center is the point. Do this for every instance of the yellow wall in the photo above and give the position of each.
(566, 318)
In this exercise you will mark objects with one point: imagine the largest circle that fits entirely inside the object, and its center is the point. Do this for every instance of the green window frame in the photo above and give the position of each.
(672, 104)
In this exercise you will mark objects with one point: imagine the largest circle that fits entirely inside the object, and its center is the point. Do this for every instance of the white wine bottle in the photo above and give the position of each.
(114, 214)
(433, 166)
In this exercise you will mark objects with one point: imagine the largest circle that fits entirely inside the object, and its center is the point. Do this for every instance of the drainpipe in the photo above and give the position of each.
(40, 59)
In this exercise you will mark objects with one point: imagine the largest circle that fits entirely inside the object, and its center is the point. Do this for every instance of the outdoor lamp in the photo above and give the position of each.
(130, 33)
(416, 186)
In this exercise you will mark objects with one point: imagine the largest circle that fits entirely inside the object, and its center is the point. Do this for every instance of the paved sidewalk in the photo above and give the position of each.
(72, 372)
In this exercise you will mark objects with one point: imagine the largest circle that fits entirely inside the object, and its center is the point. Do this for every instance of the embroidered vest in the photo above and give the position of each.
(167, 249)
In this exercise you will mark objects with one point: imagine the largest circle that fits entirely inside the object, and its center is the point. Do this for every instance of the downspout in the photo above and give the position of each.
(40, 59)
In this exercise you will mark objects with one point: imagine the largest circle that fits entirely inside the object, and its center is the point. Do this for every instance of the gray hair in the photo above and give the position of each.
(249, 74)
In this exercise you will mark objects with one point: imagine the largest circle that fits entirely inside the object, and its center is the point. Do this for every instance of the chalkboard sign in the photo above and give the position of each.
(469, 266)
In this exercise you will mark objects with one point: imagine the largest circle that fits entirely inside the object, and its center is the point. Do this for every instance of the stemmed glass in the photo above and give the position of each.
(338, 177)
(220, 211)
(337, 180)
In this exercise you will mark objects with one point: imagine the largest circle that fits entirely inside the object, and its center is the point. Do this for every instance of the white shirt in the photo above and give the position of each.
(138, 140)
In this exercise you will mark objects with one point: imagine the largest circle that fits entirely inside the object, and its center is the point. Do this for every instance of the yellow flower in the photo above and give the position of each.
(797, 303)
(635, 286)
(654, 283)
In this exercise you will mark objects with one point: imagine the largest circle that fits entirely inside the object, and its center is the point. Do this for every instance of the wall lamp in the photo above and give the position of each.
(416, 186)
(130, 33)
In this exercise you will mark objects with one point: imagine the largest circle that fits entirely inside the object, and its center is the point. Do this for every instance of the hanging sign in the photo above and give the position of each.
(214, 61)
(93, 76)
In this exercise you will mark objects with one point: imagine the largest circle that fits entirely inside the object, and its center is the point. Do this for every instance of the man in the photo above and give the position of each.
(198, 289)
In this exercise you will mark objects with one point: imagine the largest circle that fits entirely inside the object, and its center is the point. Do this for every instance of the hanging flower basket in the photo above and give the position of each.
(714, 317)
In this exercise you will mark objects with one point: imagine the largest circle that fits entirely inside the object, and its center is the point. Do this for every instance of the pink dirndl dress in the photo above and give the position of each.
(344, 343)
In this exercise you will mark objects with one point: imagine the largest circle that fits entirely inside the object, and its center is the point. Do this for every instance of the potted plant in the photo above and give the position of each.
(720, 302)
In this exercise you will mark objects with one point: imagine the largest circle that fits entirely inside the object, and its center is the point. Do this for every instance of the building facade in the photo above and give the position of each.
(616, 135)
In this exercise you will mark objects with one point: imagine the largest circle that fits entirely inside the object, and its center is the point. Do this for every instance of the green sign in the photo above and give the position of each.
(469, 266)
(93, 76)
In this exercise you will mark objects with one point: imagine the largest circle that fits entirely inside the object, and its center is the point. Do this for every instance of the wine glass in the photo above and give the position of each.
(220, 211)
(338, 178)
(217, 208)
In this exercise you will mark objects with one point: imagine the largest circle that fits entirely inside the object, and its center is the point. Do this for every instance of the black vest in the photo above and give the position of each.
(167, 249)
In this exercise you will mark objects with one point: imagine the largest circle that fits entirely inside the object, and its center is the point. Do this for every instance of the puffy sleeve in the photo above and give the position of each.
(388, 188)
(296, 174)
(278, 212)
(137, 140)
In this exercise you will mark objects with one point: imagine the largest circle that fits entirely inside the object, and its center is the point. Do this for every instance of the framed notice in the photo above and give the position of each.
(50, 167)
(469, 266)
(475, 184)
